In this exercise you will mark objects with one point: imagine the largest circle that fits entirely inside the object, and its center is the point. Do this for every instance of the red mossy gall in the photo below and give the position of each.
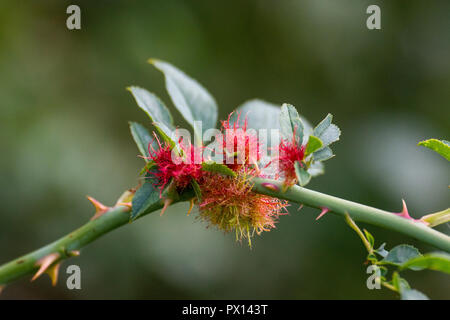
(289, 153)
(173, 167)
(240, 145)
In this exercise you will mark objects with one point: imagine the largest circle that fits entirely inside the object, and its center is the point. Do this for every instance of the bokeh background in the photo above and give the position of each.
(64, 134)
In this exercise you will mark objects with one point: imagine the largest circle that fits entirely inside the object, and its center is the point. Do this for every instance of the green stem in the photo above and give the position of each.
(119, 216)
(114, 218)
(353, 225)
(389, 286)
(357, 212)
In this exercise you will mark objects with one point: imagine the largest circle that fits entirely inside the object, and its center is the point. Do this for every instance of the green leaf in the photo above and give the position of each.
(197, 190)
(383, 272)
(142, 138)
(372, 258)
(291, 123)
(259, 113)
(435, 261)
(323, 154)
(440, 146)
(400, 254)
(156, 110)
(316, 168)
(163, 131)
(265, 115)
(412, 294)
(330, 135)
(212, 166)
(193, 101)
(303, 176)
(323, 125)
(146, 199)
(381, 251)
(314, 144)
(403, 287)
(369, 238)
(399, 283)
(326, 131)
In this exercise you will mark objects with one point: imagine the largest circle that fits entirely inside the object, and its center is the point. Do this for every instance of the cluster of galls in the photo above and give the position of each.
(226, 202)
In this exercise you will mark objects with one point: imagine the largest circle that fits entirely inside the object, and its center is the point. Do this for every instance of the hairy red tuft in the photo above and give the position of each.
(240, 146)
(181, 168)
(289, 152)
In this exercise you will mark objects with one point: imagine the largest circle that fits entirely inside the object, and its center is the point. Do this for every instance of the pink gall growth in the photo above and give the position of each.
(240, 145)
(171, 167)
(289, 153)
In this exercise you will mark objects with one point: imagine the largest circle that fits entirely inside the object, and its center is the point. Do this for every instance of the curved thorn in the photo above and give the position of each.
(44, 263)
(125, 204)
(97, 204)
(74, 253)
(53, 272)
(126, 197)
(167, 203)
(191, 205)
(100, 208)
(322, 213)
(404, 213)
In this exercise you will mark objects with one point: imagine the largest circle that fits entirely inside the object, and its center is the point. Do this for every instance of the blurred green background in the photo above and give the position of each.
(64, 134)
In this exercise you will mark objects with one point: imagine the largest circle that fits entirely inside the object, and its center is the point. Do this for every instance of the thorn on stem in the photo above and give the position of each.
(167, 203)
(126, 204)
(126, 198)
(191, 205)
(53, 272)
(404, 213)
(44, 266)
(322, 213)
(100, 208)
(74, 253)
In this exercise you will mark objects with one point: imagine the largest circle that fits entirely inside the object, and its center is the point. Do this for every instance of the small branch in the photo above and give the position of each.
(389, 286)
(118, 216)
(357, 212)
(66, 246)
(353, 225)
